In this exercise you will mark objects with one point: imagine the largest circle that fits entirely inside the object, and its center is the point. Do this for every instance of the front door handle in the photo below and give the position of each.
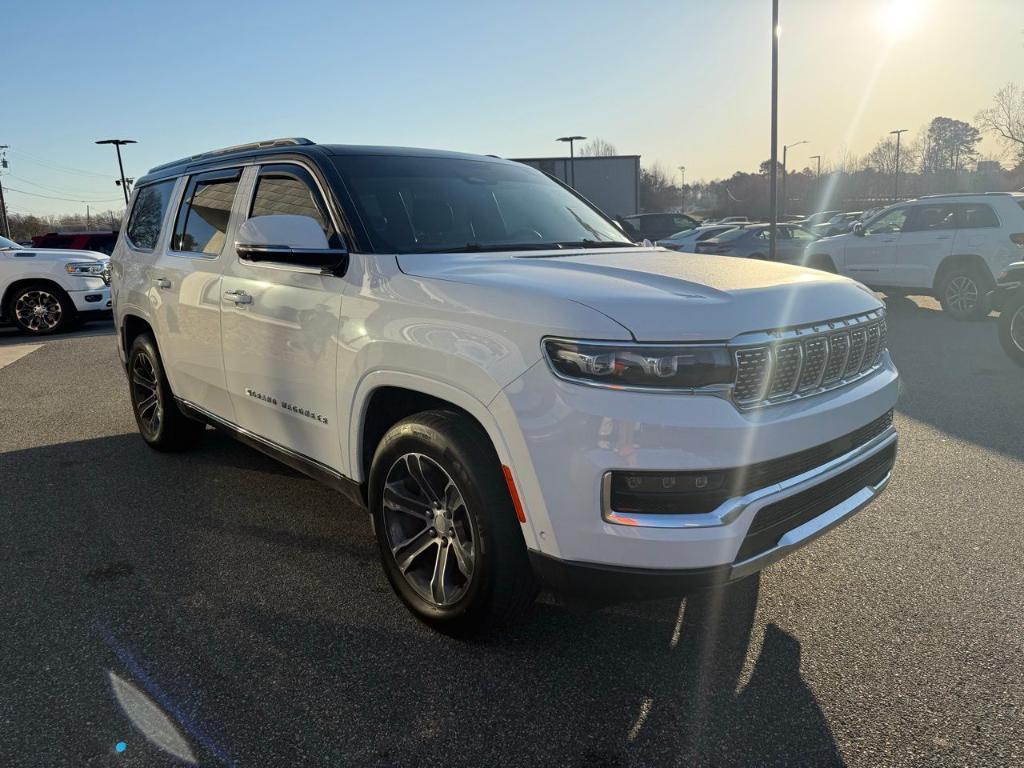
(162, 282)
(238, 297)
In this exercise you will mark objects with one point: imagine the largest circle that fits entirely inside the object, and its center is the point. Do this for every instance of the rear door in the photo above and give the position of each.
(871, 258)
(184, 286)
(280, 326)
(979, 232)
(926, 240)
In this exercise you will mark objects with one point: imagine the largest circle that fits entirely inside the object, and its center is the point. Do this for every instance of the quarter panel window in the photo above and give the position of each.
(202, 222)
(147, 216)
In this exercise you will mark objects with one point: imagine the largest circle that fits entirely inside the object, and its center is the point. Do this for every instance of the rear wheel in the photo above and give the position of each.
(162, 425)
(447, 531)
(1011, 328)
(41, 308)
(962, 293)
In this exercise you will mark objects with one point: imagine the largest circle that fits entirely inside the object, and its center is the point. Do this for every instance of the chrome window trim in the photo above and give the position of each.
(728, 511)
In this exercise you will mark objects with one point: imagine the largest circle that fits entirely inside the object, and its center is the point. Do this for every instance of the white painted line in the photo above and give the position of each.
(15, 352)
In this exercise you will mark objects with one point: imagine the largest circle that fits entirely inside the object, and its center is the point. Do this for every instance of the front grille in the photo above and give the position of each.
(798, 362)
(776, 520)
(676, 492)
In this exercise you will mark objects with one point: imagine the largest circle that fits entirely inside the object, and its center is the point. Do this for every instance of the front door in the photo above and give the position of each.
(871, 258)
(280, 325)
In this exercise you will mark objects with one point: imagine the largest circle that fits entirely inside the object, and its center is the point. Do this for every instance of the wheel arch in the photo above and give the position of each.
(957, 261)
(21, 282)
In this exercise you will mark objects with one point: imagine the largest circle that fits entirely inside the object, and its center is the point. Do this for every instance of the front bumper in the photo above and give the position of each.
(571, 436)
(92, 300)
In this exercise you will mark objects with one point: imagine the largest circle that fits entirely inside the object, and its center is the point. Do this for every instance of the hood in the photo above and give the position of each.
(661, 295)
(58, 254)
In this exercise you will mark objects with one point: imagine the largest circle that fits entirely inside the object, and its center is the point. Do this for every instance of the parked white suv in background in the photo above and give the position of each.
(48, 290)
(517, 394)
(949, 246)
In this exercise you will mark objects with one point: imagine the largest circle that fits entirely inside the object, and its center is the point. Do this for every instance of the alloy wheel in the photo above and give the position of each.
(962, 294)
(38, 311)
(146, 393)
(429, 530)
(1017, 328)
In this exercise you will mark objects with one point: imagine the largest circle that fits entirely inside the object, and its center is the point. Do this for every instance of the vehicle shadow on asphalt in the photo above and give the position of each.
(955, 376)
(252, 600)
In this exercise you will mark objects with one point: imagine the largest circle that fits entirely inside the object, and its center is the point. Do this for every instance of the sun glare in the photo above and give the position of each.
(899, 18)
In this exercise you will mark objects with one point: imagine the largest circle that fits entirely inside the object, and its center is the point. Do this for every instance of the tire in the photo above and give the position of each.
(962, 292)
(162, 425)
(440, 504)
(1011, 327)
(40, 309)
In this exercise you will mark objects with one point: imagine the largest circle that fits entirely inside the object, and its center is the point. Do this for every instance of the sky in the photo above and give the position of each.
(685, 82)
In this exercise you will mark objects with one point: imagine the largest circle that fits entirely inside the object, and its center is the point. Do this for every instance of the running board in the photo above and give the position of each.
(297, 461)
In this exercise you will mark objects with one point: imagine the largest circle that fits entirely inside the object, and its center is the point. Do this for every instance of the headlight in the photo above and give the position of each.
(640, 366)
(85, 268)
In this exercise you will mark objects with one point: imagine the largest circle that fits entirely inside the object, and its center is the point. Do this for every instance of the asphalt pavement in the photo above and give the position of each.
(216, 608)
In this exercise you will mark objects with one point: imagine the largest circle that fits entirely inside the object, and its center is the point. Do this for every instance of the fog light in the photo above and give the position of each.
(670, 493)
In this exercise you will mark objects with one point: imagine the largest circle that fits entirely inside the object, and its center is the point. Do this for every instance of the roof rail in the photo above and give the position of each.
(963, 194)
(252, 145)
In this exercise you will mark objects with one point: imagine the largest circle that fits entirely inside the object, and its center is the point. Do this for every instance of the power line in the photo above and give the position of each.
(66, 199)
(67, 169)
(51, 189)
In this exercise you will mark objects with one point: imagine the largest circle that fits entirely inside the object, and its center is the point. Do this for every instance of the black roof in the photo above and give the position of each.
(297, 146)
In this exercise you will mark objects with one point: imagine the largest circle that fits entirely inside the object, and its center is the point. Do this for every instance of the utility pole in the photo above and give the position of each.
(817, 178)
(775, 131)
(572, 156)
(4, 223)
(817, 175)
(785, 148)
(896, 175)
(118, 143)
(682, 188)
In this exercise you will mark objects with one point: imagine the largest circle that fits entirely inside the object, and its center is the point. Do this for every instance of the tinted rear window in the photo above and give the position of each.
(977, 216)
(147, 214)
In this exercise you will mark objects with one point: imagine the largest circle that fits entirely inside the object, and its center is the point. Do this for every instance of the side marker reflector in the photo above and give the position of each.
(514, 494)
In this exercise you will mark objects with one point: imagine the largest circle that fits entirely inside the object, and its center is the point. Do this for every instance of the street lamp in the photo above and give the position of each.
(775, 131)
(896, 175)
(118, 143)
(572, 156)
(817, 174)
(786, 148)
(682, 188)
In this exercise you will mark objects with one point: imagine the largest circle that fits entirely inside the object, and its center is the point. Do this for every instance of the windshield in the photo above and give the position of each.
(6, 244)
(439, 204)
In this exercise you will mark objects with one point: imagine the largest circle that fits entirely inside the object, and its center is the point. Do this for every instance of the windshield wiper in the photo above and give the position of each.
(490, 247)
(585, 243)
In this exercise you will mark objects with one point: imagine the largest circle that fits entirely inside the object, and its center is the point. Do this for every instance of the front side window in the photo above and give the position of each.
(887, 223)
(930, 218)
(977, 216)
(147, 214)
(290, 190)
(437, 204)
(802, 234)
(202, 222)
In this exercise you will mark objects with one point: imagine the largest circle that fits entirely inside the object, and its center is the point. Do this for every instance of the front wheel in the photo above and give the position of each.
(446, 527)
(1011, 328)
(40, 309)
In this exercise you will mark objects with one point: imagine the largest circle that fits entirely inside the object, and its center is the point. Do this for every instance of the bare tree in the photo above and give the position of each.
(1005, 118)
(597, 147)
(882, 158)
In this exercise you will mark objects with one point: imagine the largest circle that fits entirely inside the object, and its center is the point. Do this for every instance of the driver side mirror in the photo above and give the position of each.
(858, 229)
(288, 239)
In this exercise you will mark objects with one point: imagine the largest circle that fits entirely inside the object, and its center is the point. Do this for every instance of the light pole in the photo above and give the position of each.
(3, 206)
(896, 175)
(785, 148)
(118, 143)
(682, 188)
(817, 176)
(775, 131)
(572, 156)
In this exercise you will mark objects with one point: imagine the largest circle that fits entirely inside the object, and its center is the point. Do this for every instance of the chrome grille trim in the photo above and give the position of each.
(851, 349)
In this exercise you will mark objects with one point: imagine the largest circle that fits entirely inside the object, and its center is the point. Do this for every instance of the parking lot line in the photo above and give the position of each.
(15, 352)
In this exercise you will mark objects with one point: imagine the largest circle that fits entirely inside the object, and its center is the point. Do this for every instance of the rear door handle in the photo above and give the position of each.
(238, 297)
(162, 282)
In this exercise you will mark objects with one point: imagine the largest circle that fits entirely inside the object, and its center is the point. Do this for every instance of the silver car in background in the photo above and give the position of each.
(752, 242)
(687, 240)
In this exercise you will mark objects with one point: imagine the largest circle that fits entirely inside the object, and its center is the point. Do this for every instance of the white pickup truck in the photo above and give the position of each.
(517, 393)
(44, 290)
